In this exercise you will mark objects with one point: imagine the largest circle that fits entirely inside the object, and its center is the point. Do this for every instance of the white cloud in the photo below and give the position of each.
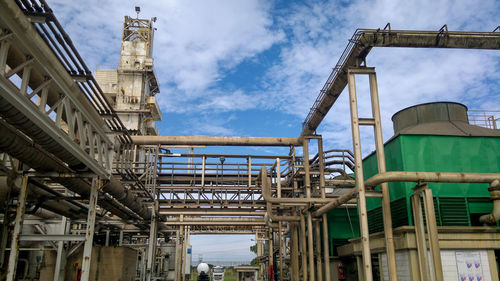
(406, 76)
(196, 42)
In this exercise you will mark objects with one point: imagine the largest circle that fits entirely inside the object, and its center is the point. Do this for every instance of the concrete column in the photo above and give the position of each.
(18, 224)
(89, 233)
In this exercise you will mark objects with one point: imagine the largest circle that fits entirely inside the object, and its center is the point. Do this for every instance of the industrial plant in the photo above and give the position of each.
(89, 190)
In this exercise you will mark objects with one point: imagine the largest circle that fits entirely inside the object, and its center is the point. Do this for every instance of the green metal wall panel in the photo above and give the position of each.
(427, 153)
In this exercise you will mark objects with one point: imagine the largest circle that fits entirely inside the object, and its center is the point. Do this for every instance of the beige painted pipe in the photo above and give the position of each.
(495, 213)
(431, 177)
(216, 141)
(410, 177)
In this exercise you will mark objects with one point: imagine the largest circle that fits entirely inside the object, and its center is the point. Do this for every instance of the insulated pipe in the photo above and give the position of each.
(61, 207)
(216, 141)
(37, 158)
(495, 196)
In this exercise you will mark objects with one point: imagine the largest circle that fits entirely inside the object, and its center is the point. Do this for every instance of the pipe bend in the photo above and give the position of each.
(494, 216)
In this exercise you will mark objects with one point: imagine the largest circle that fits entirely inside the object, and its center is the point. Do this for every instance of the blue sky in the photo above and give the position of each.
(254, 68)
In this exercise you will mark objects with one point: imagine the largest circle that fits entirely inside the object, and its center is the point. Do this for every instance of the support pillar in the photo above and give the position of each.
(319, 264)
(120, 240)
(294, 237)
(280, 237)
(303, 246)
(433, 234)
(61, 254)
(179, 252)
(18, 224)
(418, 222)
(89, 233)
(152, 245)
(326, 249)
(360, 184)
(271, 250)
(310, 241)
(386, 201)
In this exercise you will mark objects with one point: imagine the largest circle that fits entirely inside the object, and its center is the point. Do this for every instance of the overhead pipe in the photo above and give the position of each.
(216, 141)
(412, 177)
(431, 177)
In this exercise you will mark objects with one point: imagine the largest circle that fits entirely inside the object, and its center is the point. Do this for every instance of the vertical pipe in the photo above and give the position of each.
(278, 176)
(433, 234)
(317, 232)
(420, 237)
(106, 243)
(386, 201)
(307, 178)
(18, 224)
(280, 236)
(310, 241)
(303, 246)
(120, 241)
(204, 160)
(89, 233)
(326, 249)
(249, 171)
(184, 252)
(294, 237)
(271, 249)
(360, 185)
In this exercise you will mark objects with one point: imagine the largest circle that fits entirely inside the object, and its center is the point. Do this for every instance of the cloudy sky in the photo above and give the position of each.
(254, 68)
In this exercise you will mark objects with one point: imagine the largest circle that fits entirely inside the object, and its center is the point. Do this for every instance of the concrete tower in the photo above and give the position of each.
(132, 87)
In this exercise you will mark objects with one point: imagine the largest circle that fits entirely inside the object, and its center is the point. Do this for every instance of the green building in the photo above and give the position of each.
(435, 137)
